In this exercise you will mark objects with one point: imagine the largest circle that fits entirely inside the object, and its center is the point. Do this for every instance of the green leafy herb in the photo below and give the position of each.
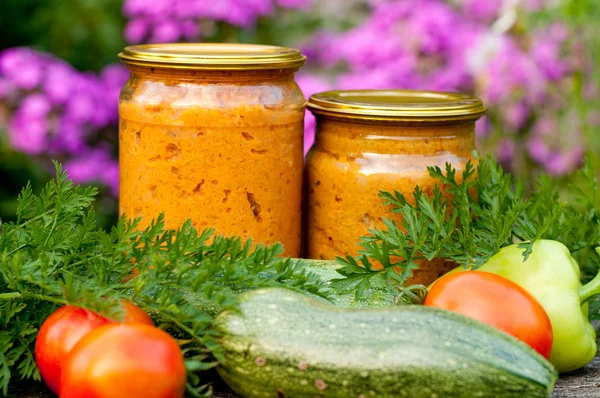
(479, 211)
(54, 255)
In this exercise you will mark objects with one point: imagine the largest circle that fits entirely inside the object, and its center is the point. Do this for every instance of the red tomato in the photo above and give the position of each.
(64, 328)
(497, 301)
(134, 314)
(124, 360)
(57, 336)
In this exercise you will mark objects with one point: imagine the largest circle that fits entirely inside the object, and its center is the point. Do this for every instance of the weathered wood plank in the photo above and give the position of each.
(584, 383)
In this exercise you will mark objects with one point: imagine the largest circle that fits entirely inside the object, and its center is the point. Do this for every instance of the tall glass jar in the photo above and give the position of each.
(214, 133)
(367, 141)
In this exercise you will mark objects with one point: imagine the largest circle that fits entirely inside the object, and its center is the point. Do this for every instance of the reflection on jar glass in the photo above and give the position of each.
(214, 133)
(371, 141)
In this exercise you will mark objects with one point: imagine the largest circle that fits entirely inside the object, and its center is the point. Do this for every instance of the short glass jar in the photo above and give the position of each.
(367, 141)
(214, 133)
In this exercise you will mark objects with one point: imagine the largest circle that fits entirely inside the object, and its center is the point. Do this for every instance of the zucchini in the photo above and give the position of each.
(379, 295)
(285, 344)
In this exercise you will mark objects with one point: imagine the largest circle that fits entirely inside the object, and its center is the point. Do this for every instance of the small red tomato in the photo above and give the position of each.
(64, 328)
(497, 301)
(57, 336)
(134, 314)
(124, 360)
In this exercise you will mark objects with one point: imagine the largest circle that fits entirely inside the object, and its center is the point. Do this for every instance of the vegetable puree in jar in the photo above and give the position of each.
(216, 138)
(372, 141)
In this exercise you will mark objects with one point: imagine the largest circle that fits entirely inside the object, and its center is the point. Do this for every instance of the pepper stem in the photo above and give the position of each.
(592, 288)
(416, 293)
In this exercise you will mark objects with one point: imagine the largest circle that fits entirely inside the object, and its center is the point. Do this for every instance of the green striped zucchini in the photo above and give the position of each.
(285, 344)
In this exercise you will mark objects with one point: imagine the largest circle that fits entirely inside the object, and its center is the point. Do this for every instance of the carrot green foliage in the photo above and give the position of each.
(54, 254)
(482, 210)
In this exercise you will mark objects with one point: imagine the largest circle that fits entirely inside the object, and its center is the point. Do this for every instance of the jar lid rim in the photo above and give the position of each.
(219, 56)
(397, 105)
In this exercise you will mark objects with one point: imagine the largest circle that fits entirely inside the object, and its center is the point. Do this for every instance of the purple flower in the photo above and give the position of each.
(80, 108)
(310, 85)
(113, 78)
(35, 106)
(545, 126)
(505, 151)
(110, 177)
(137, 30)
(558, 32)
(58, 82)
(548, 145)
(27, 134)
(260, 7)
(317, 47)
(546, 51)
(166, 31)
(517, 114)
(406, 44)
(430, 24)
(512, 74)
(153, 8)
(376, 78)
(171, 20)
(71, 138)
(62, 111)
(538, 150)
(6, 88)
(86, 167)
(478, 9)
(403, 44)
(190, 29)
(294, 3)
(94, 165)
(593, 118)
(29, 76)
(136, 7)
(483, 127)
(590, 89)
(563, 162)
(534, 5)
(22, 66)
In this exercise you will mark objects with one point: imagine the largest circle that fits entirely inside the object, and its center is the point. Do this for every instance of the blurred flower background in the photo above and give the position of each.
(535, 63)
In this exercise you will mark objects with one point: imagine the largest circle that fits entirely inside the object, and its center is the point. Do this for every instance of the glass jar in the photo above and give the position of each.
(367, 141)
(214, 133)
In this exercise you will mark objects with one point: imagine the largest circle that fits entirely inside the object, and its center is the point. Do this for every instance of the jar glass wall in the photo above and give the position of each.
(385, 147)
(216, 138)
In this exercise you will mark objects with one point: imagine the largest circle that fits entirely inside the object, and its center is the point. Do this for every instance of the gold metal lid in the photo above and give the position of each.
(397, 105)
(221, 56)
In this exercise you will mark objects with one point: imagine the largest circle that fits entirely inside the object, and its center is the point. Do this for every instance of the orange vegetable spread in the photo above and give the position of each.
(356, 156)
(223, 148)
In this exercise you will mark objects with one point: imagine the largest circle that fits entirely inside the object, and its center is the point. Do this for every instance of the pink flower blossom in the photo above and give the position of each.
(310, 85)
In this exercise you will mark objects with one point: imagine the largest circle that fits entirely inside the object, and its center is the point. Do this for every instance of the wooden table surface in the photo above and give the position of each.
(584, 383)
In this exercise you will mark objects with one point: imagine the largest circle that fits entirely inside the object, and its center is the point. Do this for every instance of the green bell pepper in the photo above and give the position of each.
(551, 275)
